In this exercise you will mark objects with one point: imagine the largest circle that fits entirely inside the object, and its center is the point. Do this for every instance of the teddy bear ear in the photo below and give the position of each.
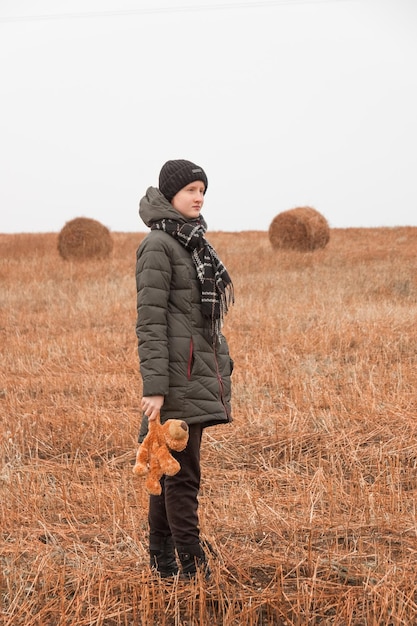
(178, 429)
(177, 435)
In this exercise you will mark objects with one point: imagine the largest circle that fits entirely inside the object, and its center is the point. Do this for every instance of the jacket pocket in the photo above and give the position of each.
(190, 362)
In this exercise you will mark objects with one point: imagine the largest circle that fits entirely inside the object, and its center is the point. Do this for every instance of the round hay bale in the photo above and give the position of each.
(302, 228)
(84, 238)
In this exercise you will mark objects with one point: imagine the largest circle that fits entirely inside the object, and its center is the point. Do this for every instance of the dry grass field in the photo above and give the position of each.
(308, 497)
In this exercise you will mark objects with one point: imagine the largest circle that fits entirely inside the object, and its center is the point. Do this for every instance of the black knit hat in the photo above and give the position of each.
(177, 174)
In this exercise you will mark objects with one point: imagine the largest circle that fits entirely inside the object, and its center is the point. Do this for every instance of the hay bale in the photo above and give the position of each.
(84, 238)
(302, 228)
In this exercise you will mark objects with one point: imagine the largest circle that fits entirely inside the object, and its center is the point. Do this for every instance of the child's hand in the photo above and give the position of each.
(151, 406)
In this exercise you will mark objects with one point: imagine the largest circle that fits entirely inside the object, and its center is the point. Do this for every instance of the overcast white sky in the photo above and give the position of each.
(284, 103)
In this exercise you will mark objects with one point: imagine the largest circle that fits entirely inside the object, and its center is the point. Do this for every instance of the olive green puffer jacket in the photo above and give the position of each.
(177, 357)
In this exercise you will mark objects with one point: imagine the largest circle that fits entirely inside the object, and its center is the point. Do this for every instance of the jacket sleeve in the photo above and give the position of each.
(153, 280)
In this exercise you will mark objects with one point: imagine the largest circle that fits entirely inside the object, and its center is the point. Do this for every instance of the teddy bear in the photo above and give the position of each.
(153, 458)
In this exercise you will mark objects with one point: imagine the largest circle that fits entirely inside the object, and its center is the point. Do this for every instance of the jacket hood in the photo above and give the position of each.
(154, 206)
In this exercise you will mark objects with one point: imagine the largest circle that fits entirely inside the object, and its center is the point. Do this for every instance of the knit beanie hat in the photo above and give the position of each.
(177, 174)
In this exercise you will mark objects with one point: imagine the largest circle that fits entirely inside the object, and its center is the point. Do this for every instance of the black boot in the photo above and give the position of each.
(192, 558)
(162, 557)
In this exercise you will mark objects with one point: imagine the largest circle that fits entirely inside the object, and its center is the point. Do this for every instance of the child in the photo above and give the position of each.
(183, 293)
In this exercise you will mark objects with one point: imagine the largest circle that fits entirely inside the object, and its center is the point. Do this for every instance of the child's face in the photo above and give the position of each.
(189, 200)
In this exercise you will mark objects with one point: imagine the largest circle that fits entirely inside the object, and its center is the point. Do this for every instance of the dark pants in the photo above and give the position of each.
(175, 512)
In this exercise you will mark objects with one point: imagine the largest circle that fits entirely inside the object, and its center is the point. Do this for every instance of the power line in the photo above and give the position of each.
(161, 10)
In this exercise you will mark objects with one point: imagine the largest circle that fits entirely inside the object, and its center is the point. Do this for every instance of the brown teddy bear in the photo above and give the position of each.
(153, 458)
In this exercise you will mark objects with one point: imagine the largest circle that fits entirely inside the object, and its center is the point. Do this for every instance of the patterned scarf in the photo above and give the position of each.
(217, 291)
